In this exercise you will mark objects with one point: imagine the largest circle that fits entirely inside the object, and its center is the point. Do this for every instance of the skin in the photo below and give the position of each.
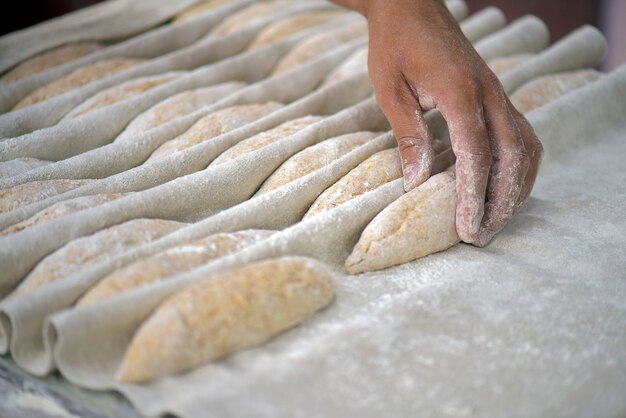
(420, 60)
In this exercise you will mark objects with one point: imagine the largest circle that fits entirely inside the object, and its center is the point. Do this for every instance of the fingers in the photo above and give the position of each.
(534, 149)
(510, 164)
(404, 113)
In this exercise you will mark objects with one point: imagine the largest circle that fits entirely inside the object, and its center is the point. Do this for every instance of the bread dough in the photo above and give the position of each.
(198, 10)
(502, 65)
(16, 196)
(356, 63)
(241, 19)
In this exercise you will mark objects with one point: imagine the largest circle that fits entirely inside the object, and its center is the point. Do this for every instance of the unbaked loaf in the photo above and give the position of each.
(20, 165)
(225, 313)
(542, 90)
(502, 65)
(63, 208)
(121, 92)
(50, 59)
(379, 169)
(214, 124)
(247, 16)
(77, 78)
(355, 64)
(290, 25)
(315, 157)
(179, 105)
(34, 191)
(198, 10)
(419, 223)
(82, 251)
(316, 45)
(171, 262)
(265, 138)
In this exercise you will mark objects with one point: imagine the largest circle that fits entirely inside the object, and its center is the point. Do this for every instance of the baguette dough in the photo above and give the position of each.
(419, 223)
(171, 262)
(316, 45)
(20, 165)
(179, 105)
(265, 138)
(77, 78)
(120, 92)
(50, 59)
(246, 16)
(542, 90)
(35, 191)
(225, 313)
(61, 209)
(198, 10)
(379, 169)
(214, 124)
(315, 157)
(78, 253)
(502, 65)
(354, 64)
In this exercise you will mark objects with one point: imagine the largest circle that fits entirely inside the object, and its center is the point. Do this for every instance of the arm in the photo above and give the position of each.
(420, 60)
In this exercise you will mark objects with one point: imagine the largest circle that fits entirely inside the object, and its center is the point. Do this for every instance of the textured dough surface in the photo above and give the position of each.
(78, 78)
(106, 243)
(316, 45)
(542, 90)
(379, 169)
(26, 193)
(419, 223)
(214, 124)
(225, 313)
(20, 165)
(179, 105)
(170, 262)
(198, 10)
(354, 64)
(50, 59)
(502, 65)
(248, 15)
(61, 209)
(120, 92)
(262, 139)
(290, 25)
(315, 157)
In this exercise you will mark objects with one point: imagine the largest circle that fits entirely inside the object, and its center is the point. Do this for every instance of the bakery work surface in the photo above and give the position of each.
(245, 136)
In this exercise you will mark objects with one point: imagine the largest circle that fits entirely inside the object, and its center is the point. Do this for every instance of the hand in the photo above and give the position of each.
(420, 60)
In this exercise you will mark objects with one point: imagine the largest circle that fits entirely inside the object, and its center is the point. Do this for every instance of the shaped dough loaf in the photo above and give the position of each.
(179, 105)
(170, 262)
(225, 313)
(315, 157)
(311, 48)
(355, 64)
(20, 165)
(78, 78)
(66, 207)
(82, 251)
(16, 196)
(50, 59)
(542, 90)
(120, 92)
(199, 9)
(265, 138)
(502, 65)
(419, 223)
(214, 124)
(246, 16)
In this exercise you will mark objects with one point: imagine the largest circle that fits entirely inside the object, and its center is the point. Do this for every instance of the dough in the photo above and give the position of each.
(290, 25)
(61, 209)
(241, 19)
(77, 78)
(120, 92)
(26, 193)
(504, 64)
(355, 64)
(419, 223)
(315, 157)
(225, 313)
(50, 59)
(171, 262)
(179, 105)
(214, 124)
(198, 10)
(20, 165)
(265, 138)
(75, 255)
(542, 90)
(379, 169)
(312, 47)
